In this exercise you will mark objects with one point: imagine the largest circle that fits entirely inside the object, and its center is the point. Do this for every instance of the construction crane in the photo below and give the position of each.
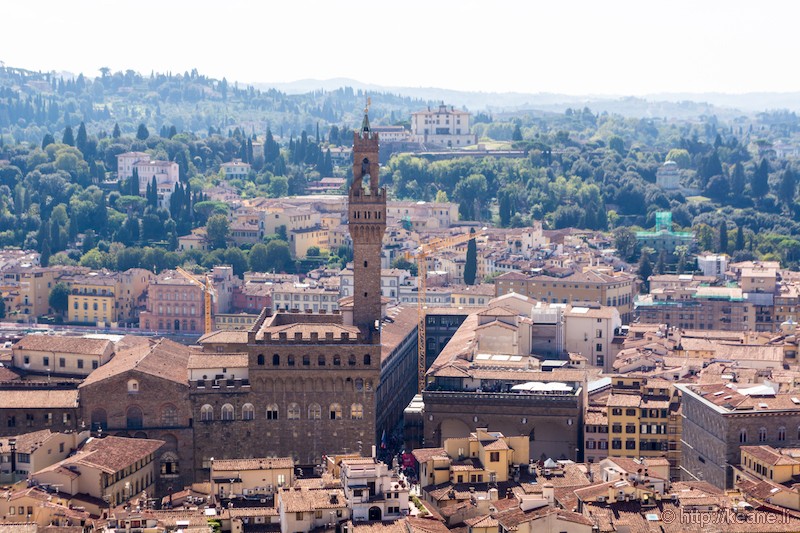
(208, 292)
(421, 256)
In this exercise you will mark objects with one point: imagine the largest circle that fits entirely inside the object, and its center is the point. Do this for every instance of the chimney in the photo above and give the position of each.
(548, 492)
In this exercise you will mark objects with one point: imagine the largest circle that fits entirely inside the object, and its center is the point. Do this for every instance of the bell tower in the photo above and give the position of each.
(367, 224)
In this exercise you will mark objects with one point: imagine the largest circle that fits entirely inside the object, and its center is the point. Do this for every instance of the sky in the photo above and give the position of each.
(578, 47)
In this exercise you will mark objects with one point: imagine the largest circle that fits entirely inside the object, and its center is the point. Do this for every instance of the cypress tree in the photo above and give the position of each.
(723, 237)
(760, 182)
(116, 134)
(645, 270)
(68, 138)
(82, 139)
(471, 265)
(739, 239)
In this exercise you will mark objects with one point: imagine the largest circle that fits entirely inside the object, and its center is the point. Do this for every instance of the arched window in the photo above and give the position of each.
(290, 360)
(133, 385)
(293, 411)
(367, 359)
(762, 434)
(260, 359)
(134, 417)
(206, 413)
(356, 411)
(743, 435)
(351, 360)
(169, 415)
(781, 433)
(272, 412)
(359, 384)
(276, 360)
(99, 419)
(306, 360)
(314, 411)
(248, 411)
(169, 464)
(337, 360)
(227, 412)
(335, 411)
(321, 360)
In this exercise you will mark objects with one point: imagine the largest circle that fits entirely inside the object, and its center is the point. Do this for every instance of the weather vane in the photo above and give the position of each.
(366, 108)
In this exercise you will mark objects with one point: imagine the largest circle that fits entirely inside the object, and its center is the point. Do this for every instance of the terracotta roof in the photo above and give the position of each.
(212, 360)
(28, 442)
(624, 400)
(769, 455)
(423, 455)
(265, 463)
(112, 454)
(224, 337)
(63, 344)
(299, 500)
(162, 358)
(39, 399)
(499, 444)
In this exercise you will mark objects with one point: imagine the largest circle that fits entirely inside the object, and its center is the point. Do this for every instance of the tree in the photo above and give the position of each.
(68, 138)
(82, 139)
(471, 266)
(404, 264)
(723, 237)
(2, 308)
(787, 188)
(116, 134)
(280, 259)
(645, 269)
(441, 197)
(47, 140)
(739, 239)
(142, 133)
(258, 259)
(516, 136)
(59, 298)
(625, 243)
(661, 263)
(680, 156)
(469, 192)
(313, 251)
(738, 180)
(218, 229)
(759, 185)
(236, 259)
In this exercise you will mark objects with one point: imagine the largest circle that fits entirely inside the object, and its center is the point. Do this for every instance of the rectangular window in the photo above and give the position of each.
(62, 362)
(494, 457)
(80, 363)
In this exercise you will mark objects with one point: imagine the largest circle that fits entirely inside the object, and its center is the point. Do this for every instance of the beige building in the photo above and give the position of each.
(304, 510)
(251, 477)
(35, 451)
(235, 169)
(59, 354)
(589, 331)
(112, 468)
(443, 126)
(305, 297)
(484, 456)
(608, 288)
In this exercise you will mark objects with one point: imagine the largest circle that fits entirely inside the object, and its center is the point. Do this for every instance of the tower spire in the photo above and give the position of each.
(365, 122)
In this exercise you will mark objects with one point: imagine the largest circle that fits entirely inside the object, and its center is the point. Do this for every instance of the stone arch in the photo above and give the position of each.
(453, 428)
(134, 417)
(140, 435)
(99, 419)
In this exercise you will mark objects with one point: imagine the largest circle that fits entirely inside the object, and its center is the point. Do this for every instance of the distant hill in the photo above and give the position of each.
(677, 105)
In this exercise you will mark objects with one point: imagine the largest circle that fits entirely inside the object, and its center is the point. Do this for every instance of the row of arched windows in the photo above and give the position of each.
(321, 360)
(762, 434)
(272, 412)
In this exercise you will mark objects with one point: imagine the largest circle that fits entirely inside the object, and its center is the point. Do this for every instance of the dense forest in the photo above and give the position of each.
(60, 137)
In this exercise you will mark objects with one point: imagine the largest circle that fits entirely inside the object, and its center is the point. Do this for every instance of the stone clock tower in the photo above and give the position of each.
(367, 224)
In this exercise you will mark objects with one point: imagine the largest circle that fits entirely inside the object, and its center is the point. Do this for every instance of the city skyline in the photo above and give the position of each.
(579, 49)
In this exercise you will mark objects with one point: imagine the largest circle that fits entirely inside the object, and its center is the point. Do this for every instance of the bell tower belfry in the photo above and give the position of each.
(367, 224)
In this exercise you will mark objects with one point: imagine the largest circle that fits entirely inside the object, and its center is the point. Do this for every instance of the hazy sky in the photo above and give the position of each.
(575, 47)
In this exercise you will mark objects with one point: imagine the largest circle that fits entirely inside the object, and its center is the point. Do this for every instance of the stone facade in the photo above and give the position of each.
(713, 433)
(128, 398)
